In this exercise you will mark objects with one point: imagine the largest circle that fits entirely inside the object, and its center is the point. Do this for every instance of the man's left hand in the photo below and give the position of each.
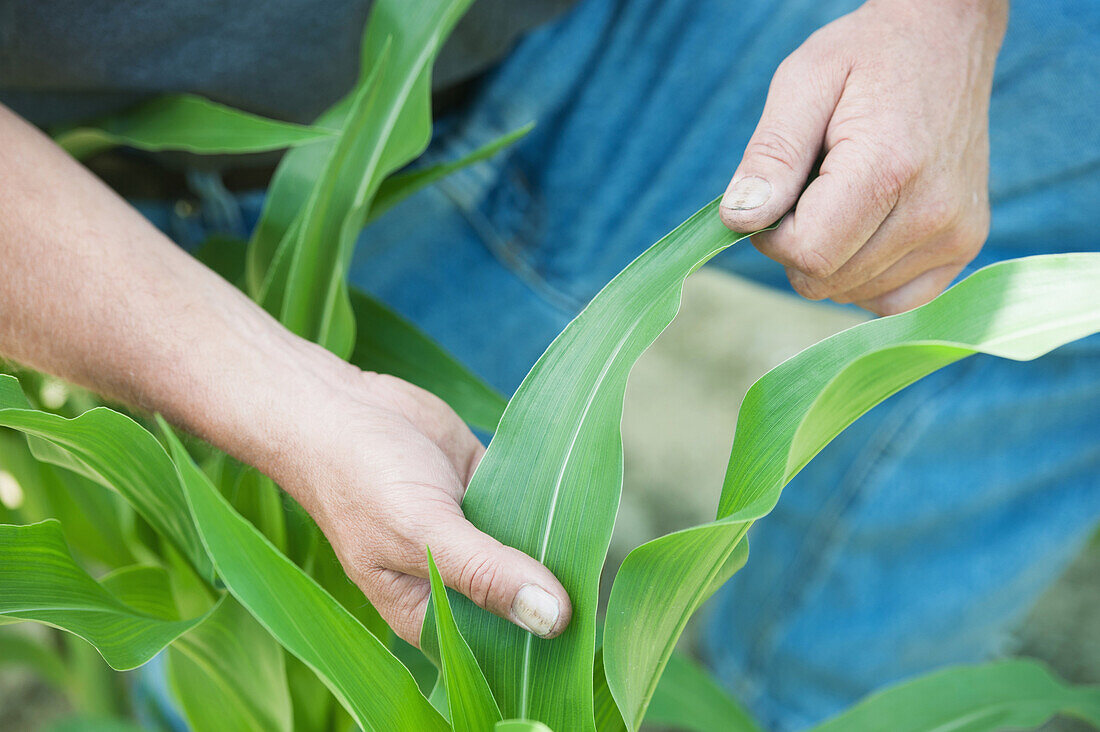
(895, 96)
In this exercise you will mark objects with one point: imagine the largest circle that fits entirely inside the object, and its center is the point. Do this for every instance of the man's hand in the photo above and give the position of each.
(384, 478)
(90, 291)
(896, 97)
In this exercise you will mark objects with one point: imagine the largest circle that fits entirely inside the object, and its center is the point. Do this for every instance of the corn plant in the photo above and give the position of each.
(139, 542)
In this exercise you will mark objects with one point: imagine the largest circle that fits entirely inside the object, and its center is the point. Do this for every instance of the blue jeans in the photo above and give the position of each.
(920, 536)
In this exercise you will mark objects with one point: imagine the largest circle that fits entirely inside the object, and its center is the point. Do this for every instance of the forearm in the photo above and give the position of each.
(91, 292)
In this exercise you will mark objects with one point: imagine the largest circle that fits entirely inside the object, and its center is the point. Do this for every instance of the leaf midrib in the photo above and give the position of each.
(544, 546)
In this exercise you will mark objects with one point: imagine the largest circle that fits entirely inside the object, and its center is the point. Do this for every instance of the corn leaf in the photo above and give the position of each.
(145, 588)
(400, 186)
(471, 703)
(190, 123)
(369, 682)
(389, 344)
(1018, 309)
(93, 517)
(688, 698)
(549, 483)
(118, 453)
(40, 581)
(1014, 694)
(606, 711)
(387, 123)
(520, 725)
(306, 279)
(228, 673)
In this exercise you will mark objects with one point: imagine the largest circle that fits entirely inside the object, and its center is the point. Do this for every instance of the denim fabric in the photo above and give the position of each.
(922, 534)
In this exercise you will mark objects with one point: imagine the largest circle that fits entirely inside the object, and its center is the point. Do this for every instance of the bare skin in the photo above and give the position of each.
(896, 97)
(91, 292)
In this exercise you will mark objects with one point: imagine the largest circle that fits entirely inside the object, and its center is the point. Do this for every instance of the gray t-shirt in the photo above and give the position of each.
(66, 60)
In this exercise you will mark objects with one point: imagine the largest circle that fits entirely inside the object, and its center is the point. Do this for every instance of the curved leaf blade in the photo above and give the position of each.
(1015, 694)
(40, 581)
(688, 698)
(520, 725)
(116, 452)
(471, 703)
(94, 517)
(385, 122)
(549, 483)
(229, 673)
(369, 682)
(400, 186)
(190, 123)
(1017, 309)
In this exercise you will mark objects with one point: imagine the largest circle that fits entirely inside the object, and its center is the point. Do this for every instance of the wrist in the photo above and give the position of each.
(239, 380)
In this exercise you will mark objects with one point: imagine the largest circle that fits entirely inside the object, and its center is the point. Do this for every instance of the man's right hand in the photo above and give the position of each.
(91, 292)
(384, 479)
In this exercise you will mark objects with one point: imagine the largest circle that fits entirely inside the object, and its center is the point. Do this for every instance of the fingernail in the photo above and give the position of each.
(747, 194)
(535, 609)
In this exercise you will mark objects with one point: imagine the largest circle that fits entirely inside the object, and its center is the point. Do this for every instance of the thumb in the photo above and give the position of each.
(500, 579)
(786, 143)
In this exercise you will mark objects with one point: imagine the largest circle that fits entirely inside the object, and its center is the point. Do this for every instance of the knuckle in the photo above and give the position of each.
(811, 262)
(808, 287)
(895, 173)
(774, 144)
(481, 577)
(896, 167)
(936, 215)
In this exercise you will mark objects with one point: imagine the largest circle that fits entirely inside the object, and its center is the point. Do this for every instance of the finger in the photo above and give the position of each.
(939, 252)
(401, 600)
(892, 242)
(783, 149)
(498, 578)
(914, 293)
(839, 211)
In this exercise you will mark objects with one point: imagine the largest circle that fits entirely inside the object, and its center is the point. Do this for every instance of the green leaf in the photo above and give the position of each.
(228, 673)
(520, 725)
(253, 495)
(190, 123)
(400, 186)
(225, 255)
(1018, 309)
(365, 677)
(688, 698)
(1014, 694)
(389, 344)
(307, 277)
(118, 453)
(606, 712)
(94, 518)
(549, 483)
(302, 246)
(471, 703)
(40, 581)
(144, 588)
